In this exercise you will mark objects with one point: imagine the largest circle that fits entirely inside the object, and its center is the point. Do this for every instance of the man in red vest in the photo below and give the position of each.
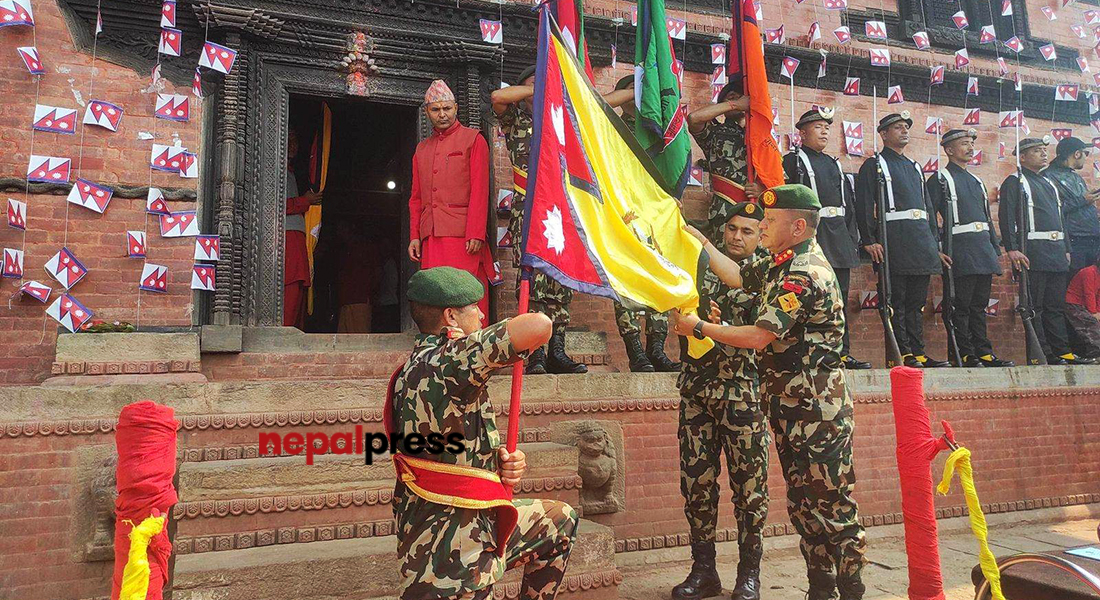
(296, 275)
(449, 204)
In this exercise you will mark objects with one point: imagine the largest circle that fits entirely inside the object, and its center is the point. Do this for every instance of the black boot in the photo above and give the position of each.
(655, 350)
(748, 579)
(557, 360)
(536, 363)
(703, 580)
(851, 588)
(822, 586)
(639, 363)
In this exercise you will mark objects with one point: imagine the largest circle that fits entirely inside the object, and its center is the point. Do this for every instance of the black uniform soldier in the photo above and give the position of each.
(450, 543)
(652, 357)
(720, 413)
(914, 255)
(1047, 257)
(512, 106)
(961, 199)
(1078, 203)
(798, 332)
(838, 233)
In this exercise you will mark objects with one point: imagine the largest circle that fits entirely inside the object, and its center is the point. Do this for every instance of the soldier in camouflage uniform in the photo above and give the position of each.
(798, 330)
(720, 412)
(449, 552)
(512, 106)
(652, 357)
(723, 145)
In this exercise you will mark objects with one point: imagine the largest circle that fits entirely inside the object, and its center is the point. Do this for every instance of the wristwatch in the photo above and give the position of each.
(697, 331)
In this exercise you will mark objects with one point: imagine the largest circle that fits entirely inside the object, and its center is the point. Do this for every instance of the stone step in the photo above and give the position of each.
(363, 569)
(232, 499)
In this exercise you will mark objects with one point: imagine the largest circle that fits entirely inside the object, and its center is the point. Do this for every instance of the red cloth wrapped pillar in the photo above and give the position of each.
(146, 443)
(915, 450)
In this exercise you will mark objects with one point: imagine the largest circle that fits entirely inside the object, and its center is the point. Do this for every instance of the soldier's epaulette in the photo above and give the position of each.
(783, 257)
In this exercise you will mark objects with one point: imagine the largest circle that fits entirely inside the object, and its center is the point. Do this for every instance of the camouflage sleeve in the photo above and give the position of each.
(755, 274)
(786, 304)
(473, 358)
(703, 138)
(507, 119)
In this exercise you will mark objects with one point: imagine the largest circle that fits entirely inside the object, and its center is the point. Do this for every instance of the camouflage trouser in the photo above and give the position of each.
(547, 296)
(707, 429)
(540, 543)
(817, 466)
(627, 321)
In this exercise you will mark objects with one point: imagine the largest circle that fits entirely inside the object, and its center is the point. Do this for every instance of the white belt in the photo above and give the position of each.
(831, 211)
(974, 227)
(915, 214)
(1046, 235)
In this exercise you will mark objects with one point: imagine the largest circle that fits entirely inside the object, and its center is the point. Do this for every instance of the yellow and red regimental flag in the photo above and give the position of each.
(746, 61)
(590, 187)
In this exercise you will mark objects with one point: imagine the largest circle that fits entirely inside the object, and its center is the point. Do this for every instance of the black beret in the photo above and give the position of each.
(892, 118)
(736, 84)
(624, 83)
(445, 287)
(956, 134)
(814, 115)
(728, 210)
(524, 74)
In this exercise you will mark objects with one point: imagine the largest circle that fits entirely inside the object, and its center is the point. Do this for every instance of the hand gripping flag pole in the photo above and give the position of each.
(915, 450)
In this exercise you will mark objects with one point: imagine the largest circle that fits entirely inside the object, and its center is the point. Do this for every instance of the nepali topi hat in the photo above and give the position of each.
(438, 91)
(892, 118)
(958, 134)
(1029, 143)
(820, 113)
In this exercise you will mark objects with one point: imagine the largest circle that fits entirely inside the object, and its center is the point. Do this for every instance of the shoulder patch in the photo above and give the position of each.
(789, 302)
(792, 286)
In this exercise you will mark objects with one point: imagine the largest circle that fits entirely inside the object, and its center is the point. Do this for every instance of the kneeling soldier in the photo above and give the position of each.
(458, 528)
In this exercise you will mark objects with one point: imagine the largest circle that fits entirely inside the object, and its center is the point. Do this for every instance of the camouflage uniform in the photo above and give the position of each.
(628, 321)
(723, 145)
(547, 296)
(810, 408)
(446, 551)
(720, 412)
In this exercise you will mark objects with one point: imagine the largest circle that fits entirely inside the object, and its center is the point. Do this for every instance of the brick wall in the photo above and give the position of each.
(120, 158)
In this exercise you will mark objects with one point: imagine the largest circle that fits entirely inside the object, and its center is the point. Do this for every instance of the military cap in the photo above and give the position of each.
(728, 210)
(791, 195)
(626, 82)
(1067, 146)
(892, 118)
(736, 84)
(820, 113)
(1029, 143)
(445, 287)
(958, 134)
(524, 74)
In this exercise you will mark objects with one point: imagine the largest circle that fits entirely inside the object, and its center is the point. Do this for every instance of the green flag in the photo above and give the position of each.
(661, 122)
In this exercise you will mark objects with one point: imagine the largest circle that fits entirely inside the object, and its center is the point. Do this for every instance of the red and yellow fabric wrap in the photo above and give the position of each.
(727, 190)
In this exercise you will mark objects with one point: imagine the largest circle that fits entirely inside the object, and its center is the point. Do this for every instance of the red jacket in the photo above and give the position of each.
(450, 185)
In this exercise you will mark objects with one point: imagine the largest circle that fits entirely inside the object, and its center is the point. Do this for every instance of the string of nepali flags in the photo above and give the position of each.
(64, 266)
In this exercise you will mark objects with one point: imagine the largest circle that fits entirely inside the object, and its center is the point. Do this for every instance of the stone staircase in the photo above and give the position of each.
(274, 528)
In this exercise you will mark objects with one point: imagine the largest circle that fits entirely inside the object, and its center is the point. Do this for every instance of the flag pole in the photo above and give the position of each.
(749, 171)
(517, 369)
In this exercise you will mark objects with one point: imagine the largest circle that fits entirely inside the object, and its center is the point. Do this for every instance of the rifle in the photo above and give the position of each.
(948, 275)
(885, 311)
(1024, 307)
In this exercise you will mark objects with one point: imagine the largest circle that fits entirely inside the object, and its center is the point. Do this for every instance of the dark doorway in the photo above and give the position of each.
(360, 252)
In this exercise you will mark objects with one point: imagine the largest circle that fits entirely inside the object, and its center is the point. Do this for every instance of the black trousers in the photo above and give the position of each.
(844, 278)
(968, 314)
(909, 293)
(1048, 296)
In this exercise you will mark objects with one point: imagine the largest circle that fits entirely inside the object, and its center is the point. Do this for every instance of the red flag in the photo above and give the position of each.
(746, 61)
(571, 22)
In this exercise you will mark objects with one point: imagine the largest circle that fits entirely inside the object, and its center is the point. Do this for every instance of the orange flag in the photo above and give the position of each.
(746, 60)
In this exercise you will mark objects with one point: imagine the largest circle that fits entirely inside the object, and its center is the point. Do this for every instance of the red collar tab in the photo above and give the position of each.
(783, 257)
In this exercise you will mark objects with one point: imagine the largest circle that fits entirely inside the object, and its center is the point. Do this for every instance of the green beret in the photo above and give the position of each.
(792, 195)
(524, 74)
(728, 210)
(446, 287)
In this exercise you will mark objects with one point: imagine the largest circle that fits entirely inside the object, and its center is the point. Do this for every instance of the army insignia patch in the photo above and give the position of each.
(789, 302)
(750, 209)
(768, 198)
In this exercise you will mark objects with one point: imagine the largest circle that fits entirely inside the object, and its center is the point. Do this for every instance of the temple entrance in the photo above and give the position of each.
(359, 240)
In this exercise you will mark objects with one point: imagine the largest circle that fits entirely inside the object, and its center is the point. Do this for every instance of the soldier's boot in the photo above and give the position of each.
(703, 580)
(748, 578)
(536, 363)
(639, 363)
(822, 586)
(557, 360)
(851, 588)
(655, 350)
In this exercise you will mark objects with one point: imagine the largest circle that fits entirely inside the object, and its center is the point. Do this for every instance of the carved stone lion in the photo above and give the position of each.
(598, 469)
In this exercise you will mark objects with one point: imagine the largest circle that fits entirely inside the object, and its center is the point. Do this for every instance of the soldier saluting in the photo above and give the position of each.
(457, 527)
(961, 199)
(1047, 249)
(798, 334)
(910, 220)
(837, 233)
